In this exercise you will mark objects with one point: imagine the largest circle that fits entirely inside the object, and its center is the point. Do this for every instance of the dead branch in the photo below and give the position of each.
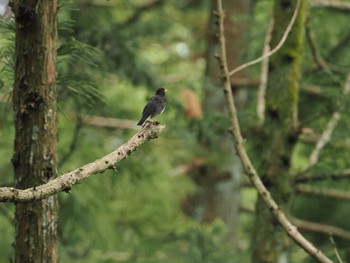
(315, 178)
(249, 169)
(244, 82)
(310, 226)
(322, 228)
(188, 167)
(326, 193)
(73, 144)
(336, 252)
(246, 209)
(313, 90)
(108, 122)
(342, 43)
(139, 11)
(65, 182)
(6, 213)
(6, 98)
(333, 4)
(92, 120)
(264, 74)
(320, 62)
(311, 178)
(325, 138)
(327, 133)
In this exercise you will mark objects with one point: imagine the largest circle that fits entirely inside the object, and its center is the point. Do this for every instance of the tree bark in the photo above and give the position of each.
(220, 180)
(280, 131)
(35, 149)
(238, 14)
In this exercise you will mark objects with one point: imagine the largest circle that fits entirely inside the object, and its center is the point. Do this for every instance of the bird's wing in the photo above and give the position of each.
(159, 104)
(149, 108)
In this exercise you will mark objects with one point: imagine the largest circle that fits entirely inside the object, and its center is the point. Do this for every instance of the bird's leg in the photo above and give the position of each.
(155, 122)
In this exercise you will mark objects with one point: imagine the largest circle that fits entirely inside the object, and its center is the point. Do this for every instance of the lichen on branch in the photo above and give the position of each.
(149, 131)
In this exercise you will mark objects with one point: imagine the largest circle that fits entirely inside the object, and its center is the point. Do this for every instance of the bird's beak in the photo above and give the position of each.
(165, 90)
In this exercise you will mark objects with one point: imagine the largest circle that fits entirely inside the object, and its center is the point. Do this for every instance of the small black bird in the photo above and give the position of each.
(154, 106)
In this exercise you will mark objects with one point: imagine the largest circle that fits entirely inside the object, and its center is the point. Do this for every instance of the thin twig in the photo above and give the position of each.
(334, 4)
(315, 178)
(310, 226)
(73, 144)
(249, 169)
(106, 122)
(336, 252)
(342, 43)
(264, 74)
(273, 51)
(325, 138)
(320, 62)
(327, 133)
(150, 130)
(4, 97)
(314, 51)
(5, 212)
(139, 11)
(311, 178)
(326, 193)
(321, 228)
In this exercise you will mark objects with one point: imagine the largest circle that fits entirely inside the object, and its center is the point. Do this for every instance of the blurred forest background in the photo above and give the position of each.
(184, 197)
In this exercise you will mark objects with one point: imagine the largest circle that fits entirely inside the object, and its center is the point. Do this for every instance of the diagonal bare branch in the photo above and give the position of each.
(249, 169)
(301, 178)
(65, 182)
(106, 122)
(311, 226)
(326, 193)
(319, 60)
(139, 11)
(333, 4)
(321, 228)
(327, 133)
(264, 74)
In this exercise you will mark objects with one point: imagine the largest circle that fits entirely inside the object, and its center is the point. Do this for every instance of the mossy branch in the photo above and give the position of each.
(150, 130)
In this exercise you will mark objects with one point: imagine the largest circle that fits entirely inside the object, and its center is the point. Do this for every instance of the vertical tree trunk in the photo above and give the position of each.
(279, 131)
(35, 153)
(220, 180)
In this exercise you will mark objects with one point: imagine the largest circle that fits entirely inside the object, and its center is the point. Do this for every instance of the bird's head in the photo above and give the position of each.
(161, 92)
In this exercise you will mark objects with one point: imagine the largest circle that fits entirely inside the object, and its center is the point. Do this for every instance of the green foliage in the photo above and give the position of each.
(110, 66)
(78, 73)
(137, 215)
(6, 54)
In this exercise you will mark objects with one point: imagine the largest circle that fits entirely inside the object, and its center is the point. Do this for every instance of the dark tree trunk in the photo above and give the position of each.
(280, 131)
(35, 153)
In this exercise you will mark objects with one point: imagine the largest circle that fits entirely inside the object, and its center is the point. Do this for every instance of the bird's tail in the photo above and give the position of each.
(141, 121)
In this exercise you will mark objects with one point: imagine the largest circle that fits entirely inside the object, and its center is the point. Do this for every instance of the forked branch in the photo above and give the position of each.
(275, 49)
